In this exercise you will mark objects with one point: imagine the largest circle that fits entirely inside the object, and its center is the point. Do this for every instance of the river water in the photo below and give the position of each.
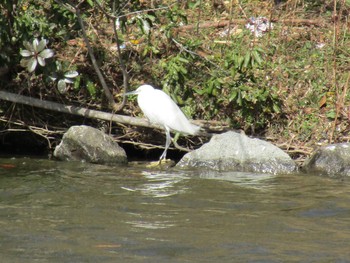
(76, 212)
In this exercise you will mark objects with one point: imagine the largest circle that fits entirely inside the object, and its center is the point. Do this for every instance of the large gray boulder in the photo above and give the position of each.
(232, 151)
(333, 160)
(84, 143)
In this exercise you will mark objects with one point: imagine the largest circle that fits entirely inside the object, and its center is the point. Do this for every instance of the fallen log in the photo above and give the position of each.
(80, 111)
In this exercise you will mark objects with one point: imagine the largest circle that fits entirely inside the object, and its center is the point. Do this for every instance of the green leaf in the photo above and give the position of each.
(247, 59)
(215, 92)
(71, 74)
(239, 62)
(32, 64)
(68, 80)
(91, 88)
(26, 53)
(28, 46)
(41, 61)
(61, 85)
(35, 44)
(183, 60)
(145, 52)
(239, 98)
(151, 17)
(331, 114)
(146, 27)
(58, 66)
(183, 70)
(210, 88)
(199, 91)
(226, 64)
(257, 57)
(233, 95)
(24, 62)
(47, 53)
(276, 108)
(41, 45)
(77, 83)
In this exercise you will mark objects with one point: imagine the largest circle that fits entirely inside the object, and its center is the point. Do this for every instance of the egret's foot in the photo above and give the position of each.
(162, 163)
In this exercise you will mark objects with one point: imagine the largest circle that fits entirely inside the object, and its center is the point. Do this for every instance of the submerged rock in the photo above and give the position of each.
(232, 151)
(333, 159)
(84, 143)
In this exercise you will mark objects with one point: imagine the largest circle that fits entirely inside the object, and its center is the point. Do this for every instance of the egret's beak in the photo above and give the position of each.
(130, 93)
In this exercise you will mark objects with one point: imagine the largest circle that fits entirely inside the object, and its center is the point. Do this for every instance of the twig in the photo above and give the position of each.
(142, 145)
(177, 146)
(42, 132)
(34, 130)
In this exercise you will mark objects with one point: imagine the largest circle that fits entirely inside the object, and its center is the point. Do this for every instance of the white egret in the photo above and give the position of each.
(160, 109)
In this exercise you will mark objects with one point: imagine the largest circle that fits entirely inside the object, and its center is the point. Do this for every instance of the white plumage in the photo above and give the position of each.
(160, 109)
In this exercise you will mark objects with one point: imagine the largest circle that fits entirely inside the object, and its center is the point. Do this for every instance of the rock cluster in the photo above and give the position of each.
(230, 151)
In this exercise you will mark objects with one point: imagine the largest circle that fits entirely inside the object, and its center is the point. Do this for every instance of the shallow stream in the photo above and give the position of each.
(76, 212)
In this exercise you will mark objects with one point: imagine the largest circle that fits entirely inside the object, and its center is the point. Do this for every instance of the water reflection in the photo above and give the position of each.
(154, 213)
(159, 184)
(257, 181)
(151, 224)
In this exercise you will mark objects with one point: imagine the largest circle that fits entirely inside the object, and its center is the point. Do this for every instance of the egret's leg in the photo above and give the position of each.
(167, 143)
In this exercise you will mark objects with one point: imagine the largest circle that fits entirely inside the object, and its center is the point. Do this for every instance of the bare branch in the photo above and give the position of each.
(80, 111)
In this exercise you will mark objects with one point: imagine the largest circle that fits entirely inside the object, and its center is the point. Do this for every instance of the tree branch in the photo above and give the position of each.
(80, 111)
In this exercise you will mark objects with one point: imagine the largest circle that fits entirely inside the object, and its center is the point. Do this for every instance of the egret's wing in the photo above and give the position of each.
(169, 114)
(159, 108)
